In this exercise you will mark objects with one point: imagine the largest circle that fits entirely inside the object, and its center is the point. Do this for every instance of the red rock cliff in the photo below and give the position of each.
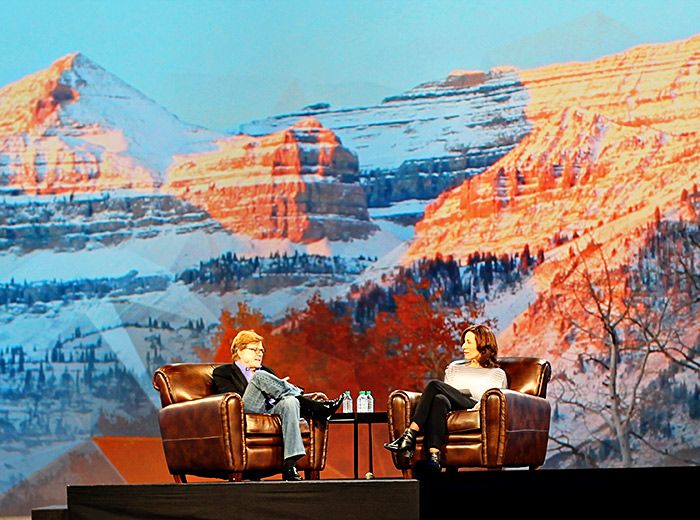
(292, 184)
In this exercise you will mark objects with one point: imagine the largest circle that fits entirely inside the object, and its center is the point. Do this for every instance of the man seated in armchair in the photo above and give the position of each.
(263, 392)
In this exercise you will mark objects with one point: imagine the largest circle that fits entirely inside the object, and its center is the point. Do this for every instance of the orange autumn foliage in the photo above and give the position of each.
(230, 325)
(417, 341)
(322, 351)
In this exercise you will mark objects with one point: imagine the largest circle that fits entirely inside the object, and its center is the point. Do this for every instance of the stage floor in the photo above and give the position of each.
(319, 499)
(595, 491)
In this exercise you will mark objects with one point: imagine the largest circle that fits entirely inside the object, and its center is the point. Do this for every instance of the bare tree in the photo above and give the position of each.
(629, 313)
(594, 300)
(670, 300)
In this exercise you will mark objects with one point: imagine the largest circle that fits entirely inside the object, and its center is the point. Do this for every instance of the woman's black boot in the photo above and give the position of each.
(405, 445)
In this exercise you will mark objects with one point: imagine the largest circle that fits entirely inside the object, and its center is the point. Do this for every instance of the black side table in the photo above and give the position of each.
(355, 418)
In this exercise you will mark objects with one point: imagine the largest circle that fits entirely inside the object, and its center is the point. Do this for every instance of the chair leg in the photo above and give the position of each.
(235, 477)
(312, 474)
(180, 478)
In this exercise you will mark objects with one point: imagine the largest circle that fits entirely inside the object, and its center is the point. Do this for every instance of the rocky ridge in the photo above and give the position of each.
(612, 140)
(417, 144)
(68, 223)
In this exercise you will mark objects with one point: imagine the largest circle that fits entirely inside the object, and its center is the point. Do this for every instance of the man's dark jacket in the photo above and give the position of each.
(229, 378)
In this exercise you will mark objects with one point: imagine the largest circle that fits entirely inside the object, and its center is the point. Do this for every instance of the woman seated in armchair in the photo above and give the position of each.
(465, 382)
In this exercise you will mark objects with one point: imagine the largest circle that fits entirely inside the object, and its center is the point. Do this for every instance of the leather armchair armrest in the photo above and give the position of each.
(515, 428)
(400, 408)
(205, 434)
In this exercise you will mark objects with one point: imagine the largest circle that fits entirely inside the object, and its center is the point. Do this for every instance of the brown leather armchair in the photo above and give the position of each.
(510, 429)
(208, 435)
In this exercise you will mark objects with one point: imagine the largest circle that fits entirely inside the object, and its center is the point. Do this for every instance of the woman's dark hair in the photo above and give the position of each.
(485, 344)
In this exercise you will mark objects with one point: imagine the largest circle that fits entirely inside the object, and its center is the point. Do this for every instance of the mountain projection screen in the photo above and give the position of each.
(357, 182)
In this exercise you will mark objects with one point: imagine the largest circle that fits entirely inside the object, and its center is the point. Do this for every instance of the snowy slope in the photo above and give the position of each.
(111, 114)
(423, 123)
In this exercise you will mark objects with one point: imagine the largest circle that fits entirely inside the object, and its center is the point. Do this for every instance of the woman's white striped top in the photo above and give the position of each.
(474, 380)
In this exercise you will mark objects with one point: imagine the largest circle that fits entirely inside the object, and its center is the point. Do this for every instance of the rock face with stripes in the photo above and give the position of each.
(611, 140)
(299, 183)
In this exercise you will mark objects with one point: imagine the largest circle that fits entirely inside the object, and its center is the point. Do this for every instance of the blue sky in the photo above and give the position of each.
(222, 62)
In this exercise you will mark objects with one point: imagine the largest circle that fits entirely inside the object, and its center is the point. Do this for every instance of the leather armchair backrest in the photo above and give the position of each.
(181, 382)
(528, 375)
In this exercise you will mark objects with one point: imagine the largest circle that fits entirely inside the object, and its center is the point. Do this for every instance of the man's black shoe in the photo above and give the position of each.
(328, 408)
(321, 410)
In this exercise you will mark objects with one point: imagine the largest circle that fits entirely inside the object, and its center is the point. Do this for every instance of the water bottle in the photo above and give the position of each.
(361, 402)
(370, 401)
(347, 402)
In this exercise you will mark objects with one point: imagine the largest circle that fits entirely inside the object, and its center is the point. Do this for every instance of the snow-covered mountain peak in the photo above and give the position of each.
(106, 102)
(75, 106)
